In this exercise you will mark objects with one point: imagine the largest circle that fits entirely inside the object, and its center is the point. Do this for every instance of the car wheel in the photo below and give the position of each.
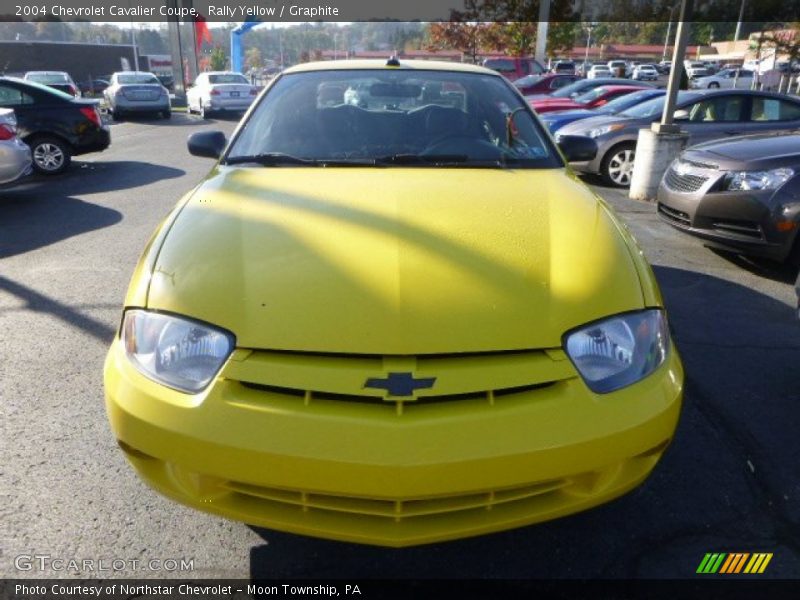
(116, 115)
(51, 155)
(166, 114)
(202, 111)
(617, 166)
(713, 85)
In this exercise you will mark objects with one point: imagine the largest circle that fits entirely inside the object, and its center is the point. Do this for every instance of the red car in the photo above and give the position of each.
(543, 84)
(591, 99)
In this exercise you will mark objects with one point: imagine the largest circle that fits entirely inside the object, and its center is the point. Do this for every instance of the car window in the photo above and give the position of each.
(501, 65)
(11, 96)
(134, 78)
(591, 95)
(367, 116)
(717, 109)
(48, 77)
(227, 78)
(773, 109)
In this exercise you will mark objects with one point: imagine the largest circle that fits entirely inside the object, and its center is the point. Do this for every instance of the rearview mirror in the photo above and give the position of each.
(577, 148)
(681, 115)
(207, 143)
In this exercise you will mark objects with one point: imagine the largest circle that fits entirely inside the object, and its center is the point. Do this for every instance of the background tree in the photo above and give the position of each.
(253, 59)
(218, 60)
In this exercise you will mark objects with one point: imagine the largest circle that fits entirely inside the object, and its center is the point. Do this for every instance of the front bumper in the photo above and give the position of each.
(363, 473)
(738, 221)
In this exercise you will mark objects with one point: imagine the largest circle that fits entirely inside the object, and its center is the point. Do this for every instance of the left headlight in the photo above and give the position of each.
(757, 180)
(174, 351)
(619, 351)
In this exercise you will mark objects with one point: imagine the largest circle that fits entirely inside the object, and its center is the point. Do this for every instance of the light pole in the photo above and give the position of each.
(589, 27)
(669, 30)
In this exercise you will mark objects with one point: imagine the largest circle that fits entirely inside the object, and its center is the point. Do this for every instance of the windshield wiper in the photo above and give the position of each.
(269, 159)
(421, 159)
(278, 159)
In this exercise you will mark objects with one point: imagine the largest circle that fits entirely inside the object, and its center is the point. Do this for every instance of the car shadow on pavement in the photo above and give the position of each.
(31, 220)
(81, 179)
(763, 267)
(728, 481)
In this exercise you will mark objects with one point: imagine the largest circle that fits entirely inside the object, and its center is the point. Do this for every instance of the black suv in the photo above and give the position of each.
(55, 125)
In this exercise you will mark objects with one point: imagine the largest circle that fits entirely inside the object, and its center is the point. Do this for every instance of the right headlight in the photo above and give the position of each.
(619, 351)
(175, 351)
(598, 131)
(757, 180)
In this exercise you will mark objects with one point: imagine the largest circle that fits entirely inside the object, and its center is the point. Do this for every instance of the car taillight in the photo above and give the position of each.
(73, 90)
(215, 92)
(91, 113)
(6, 133)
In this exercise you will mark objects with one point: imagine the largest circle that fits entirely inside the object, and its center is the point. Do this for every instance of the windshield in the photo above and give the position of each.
(627, 101)
(527, 80)
(573, 89)
(386, 117)
(227, 78)
(48, 77)
(652, 108)
(591, 95)
(127, 78)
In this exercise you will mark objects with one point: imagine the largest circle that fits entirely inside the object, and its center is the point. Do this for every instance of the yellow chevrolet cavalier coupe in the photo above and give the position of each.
(392, 315)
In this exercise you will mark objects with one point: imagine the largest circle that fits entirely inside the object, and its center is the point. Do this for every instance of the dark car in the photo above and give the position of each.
(92, 87)
(564, 66)
(55, 125)
(740, 194)
(58, 80)
(581, 86)
(543, 84)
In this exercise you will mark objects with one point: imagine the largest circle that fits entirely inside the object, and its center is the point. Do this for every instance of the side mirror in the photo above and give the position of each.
(207, 143)
(577, 148)
(681, 115)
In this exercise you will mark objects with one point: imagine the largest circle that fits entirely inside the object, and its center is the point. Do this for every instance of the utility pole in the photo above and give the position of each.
(541, 31)
(658, 146)
(739, 23)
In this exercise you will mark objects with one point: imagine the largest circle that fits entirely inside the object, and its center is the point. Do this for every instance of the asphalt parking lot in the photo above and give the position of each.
(730, 481)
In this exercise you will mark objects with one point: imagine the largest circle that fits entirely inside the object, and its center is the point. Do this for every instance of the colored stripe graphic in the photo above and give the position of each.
(734, 563)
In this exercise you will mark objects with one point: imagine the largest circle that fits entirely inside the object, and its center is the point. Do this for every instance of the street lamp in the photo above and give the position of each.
(669, 30)
(589, 27)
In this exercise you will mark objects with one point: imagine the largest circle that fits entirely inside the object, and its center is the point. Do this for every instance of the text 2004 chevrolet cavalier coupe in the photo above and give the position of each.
(392, 323)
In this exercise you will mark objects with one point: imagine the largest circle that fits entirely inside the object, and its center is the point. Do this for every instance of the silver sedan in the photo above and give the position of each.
(705, 115)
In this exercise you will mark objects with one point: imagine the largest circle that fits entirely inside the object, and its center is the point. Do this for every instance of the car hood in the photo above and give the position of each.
(583, 126)
(569, 114)
(394, 260)
(749, 152)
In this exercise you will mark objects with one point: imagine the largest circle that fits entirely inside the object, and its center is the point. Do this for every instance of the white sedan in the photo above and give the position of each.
(645, 73)
(220, 91)
(727, 78)
(599, 72)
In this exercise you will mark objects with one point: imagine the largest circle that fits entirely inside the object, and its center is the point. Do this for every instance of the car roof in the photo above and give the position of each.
(362, 64)
(46, 73)
(616, 88)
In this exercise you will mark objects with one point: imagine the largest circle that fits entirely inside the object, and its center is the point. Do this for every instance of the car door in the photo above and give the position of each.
(771, 113)
(715, 116)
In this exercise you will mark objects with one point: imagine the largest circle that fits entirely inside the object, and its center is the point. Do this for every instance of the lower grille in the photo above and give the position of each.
(397, 509)
(677, 216)
(685, 183)
(745, 228)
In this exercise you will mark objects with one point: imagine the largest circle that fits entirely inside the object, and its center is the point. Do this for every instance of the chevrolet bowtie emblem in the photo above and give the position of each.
(400, 384)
